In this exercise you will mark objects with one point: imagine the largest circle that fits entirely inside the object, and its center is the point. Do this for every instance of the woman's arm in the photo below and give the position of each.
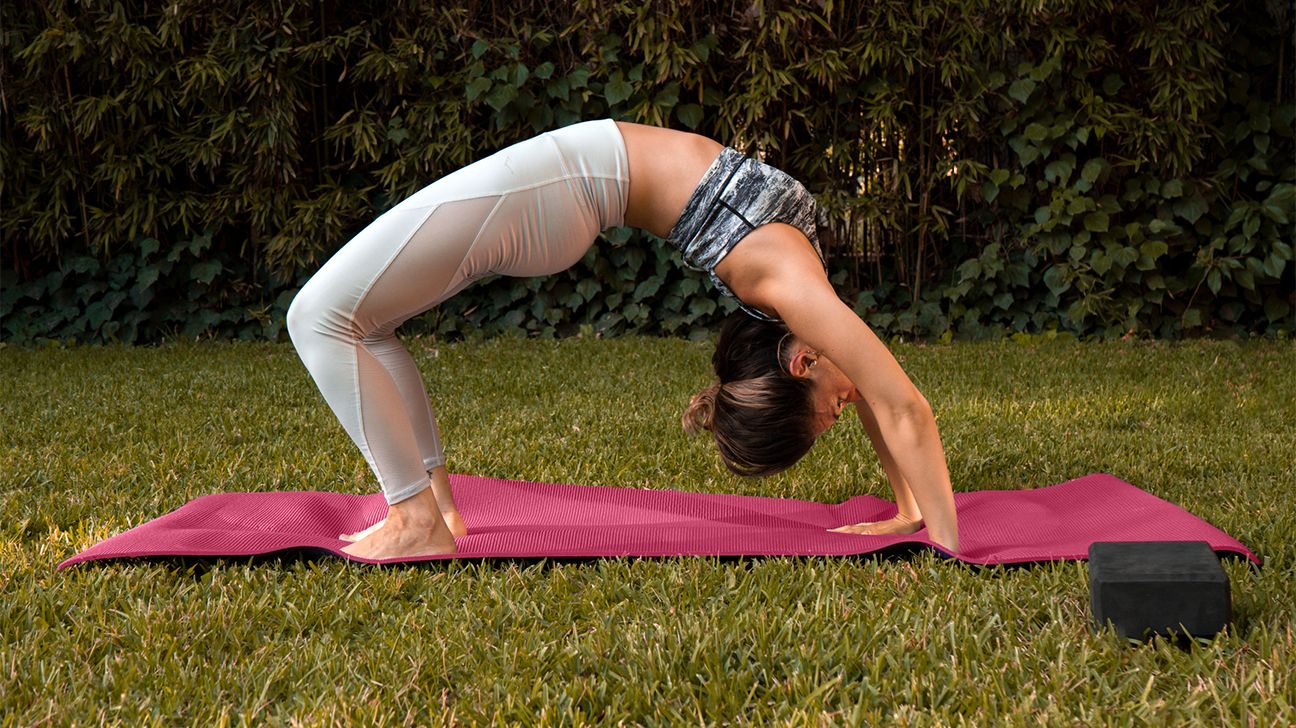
(776, 270)
(908, 517)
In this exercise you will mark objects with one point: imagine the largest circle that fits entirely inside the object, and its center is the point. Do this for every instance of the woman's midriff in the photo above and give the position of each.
(665, 167)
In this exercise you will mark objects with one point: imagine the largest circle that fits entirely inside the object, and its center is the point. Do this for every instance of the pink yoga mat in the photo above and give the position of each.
(515, 519)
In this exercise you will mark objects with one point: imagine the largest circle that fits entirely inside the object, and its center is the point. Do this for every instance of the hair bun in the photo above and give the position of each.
(701, 410)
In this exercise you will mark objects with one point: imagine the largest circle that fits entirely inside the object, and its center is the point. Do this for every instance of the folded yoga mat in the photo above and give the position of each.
(514, 519)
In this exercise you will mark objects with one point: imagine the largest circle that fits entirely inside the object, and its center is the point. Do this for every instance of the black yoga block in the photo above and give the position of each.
(1158, 587)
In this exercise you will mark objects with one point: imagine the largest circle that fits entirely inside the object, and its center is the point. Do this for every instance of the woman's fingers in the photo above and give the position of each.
(891, 526)
(866, 528)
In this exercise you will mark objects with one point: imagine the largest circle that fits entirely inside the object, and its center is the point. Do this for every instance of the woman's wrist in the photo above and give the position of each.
(910, 518)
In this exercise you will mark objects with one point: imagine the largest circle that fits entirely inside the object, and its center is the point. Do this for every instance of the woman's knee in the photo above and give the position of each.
(300, 315)
(313, 312)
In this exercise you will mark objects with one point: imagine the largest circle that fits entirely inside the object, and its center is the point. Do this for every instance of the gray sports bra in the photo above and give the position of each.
(737, 195)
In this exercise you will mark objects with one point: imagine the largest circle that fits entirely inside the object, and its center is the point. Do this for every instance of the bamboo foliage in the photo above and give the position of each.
(1087, 166)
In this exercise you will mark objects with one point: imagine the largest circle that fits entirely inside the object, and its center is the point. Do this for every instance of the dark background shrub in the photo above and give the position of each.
(1101, 169)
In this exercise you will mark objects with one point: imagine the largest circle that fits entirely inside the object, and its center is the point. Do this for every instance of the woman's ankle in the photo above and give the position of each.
(419, 510)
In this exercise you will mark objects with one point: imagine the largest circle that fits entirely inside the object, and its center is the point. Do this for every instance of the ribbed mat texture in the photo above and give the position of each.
(515, 519)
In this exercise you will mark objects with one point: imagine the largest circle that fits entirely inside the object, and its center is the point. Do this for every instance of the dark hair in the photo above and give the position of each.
(760, 416)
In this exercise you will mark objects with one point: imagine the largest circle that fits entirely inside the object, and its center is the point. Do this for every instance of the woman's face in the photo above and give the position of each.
(830, 388)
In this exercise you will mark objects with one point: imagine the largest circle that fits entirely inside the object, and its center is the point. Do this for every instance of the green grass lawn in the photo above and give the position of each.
(97, 440)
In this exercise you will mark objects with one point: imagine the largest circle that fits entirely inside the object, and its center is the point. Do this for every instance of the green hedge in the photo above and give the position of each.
(1089, 167)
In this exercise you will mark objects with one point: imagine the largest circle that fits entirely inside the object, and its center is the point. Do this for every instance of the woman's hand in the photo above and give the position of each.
(897, 525)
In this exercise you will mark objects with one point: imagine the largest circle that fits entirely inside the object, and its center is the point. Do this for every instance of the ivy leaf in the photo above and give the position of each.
(588, 288)
(1214, 280)
(1036, 132)
(1027, 153)
(205, 271)
(580, 77)
(1274, 265)
(501, 96)
(1096, 222)
(97, 314)
(647, 288)
(1057, 243)
(617, 89)
(512, 319)
(1251, 226)
(1154, 249)
(1100, 262)
(82, 264)
(702, 49)
(1092, 170)
(1274, 212)
(1190, 208)
(518, 75)
(702, 306)
(1021, 89)
(1124, 255)
(690, 115)
(477, 87)
(1276, 308)
(1059, 170)
(148, 275)
(668, 97)
(1053, 278)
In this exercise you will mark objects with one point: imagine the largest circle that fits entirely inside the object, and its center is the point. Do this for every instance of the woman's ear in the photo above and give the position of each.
(803, 360)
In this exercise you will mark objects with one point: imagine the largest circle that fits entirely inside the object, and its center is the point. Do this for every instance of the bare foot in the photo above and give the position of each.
(413, 527)
(440, 479)
(453, 521)
(392, 542)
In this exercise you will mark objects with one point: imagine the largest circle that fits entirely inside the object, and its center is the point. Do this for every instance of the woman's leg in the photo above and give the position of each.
(531, 209)
(445, 503)
(343, 322)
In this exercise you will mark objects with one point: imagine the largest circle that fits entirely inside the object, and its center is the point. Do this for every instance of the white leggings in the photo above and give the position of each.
(532, 209)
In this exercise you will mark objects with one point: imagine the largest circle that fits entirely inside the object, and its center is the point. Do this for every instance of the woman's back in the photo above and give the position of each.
(665, 167)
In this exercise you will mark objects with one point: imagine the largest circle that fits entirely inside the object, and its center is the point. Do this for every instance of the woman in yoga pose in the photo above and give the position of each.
(786, 367)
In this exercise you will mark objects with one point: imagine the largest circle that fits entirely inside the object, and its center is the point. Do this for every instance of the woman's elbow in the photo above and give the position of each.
(920, 407)
(911, 410)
